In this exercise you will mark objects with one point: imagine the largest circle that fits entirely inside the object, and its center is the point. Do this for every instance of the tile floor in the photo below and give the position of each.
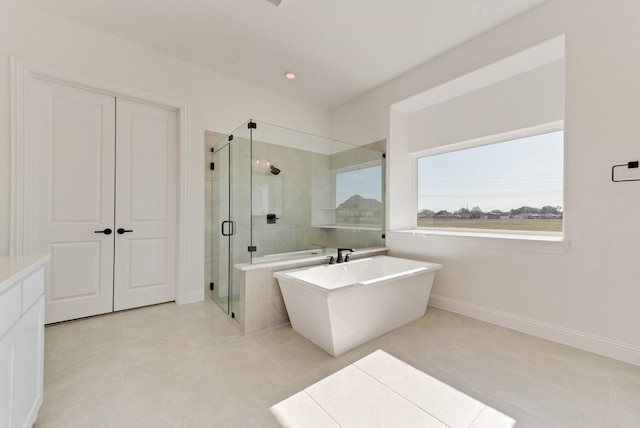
(189, 366)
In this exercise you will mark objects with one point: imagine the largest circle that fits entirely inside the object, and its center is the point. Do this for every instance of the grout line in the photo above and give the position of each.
(399, 394)
(322, 408)
(613, 374)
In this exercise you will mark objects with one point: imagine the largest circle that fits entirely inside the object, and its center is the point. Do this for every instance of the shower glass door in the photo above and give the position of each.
(221, 226)
(241, 147)
(230, 216)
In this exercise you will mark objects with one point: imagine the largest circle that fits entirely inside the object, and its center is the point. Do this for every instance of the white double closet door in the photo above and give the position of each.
(104, 195)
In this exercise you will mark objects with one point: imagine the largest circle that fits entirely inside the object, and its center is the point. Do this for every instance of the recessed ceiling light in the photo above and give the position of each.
(289, 75)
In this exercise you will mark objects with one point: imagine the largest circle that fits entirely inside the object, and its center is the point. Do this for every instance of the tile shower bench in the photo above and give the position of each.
(380, 390)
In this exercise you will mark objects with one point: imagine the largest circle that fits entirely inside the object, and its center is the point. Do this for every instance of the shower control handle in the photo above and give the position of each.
(107, 231)
(122, 231)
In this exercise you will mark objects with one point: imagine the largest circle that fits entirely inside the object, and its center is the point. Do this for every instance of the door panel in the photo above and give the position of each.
(67, 282)
(73, 194)
(147, 252)
(146, 183)
(76, 135)
(149, 175)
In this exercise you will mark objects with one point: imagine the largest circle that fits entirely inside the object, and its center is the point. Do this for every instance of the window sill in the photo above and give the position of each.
(531, 242)
(347, 227)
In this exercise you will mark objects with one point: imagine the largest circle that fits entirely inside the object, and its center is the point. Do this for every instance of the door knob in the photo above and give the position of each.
(122, 231)
(107, 231)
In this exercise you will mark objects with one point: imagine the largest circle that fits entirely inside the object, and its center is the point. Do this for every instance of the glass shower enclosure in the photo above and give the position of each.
(230, 170)
(278, 194)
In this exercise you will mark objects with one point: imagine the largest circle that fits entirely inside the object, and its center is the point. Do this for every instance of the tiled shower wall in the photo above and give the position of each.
(289, 198)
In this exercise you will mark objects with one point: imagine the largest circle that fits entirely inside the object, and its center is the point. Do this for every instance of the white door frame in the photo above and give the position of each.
(23, 74)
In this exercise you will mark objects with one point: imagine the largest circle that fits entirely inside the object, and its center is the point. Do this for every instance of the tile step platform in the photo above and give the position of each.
(381, 390)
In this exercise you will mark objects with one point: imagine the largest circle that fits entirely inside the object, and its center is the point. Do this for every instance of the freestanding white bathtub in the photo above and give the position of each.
(341, 306)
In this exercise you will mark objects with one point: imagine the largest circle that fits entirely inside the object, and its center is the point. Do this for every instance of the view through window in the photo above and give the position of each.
(359, 196)
(510, 185)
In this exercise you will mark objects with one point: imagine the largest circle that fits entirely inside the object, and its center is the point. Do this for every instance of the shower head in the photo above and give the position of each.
(274, 170)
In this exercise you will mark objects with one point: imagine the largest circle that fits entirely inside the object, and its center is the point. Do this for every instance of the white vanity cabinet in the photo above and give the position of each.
(21, 339)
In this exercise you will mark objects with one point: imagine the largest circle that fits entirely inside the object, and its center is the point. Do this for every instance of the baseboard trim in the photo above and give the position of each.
(193, 296)
(588, 342)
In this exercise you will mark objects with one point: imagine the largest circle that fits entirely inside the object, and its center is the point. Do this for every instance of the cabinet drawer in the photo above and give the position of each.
(9, 308)
(32, 288)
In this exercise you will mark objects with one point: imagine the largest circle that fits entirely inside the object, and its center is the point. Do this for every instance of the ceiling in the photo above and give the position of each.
(339, 49)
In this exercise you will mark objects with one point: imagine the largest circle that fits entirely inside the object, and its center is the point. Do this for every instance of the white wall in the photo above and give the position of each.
(587, 296)
(215, 102)
(528, 99)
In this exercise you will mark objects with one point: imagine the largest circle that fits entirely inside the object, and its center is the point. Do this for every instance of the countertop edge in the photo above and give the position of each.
(14, 268)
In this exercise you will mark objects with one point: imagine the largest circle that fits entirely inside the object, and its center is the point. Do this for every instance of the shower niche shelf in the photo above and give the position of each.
(347, 227)
(325, 218)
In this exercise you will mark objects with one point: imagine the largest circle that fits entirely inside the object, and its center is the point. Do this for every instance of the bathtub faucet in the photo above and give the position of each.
(346, 259)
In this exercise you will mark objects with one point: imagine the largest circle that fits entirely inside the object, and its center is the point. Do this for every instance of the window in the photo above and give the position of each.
(359, 196)
(507, 185)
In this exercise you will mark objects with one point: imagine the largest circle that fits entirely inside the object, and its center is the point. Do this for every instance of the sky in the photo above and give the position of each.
(366, 182)
(523, 172)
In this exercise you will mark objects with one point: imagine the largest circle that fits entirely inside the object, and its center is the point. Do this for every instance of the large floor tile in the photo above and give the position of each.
(625, 389)
(522, 418)
(190, 366)
(555, 401)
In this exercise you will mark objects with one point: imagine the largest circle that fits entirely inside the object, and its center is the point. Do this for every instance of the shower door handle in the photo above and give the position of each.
(230, 229)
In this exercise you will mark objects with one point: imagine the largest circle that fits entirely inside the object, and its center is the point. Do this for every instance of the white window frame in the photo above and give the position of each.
(554, 242)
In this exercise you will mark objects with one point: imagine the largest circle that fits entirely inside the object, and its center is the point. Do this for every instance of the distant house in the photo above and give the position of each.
(443, 214)
(532, 216)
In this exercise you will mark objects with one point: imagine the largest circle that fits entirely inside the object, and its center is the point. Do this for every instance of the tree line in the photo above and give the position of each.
(477, 212)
